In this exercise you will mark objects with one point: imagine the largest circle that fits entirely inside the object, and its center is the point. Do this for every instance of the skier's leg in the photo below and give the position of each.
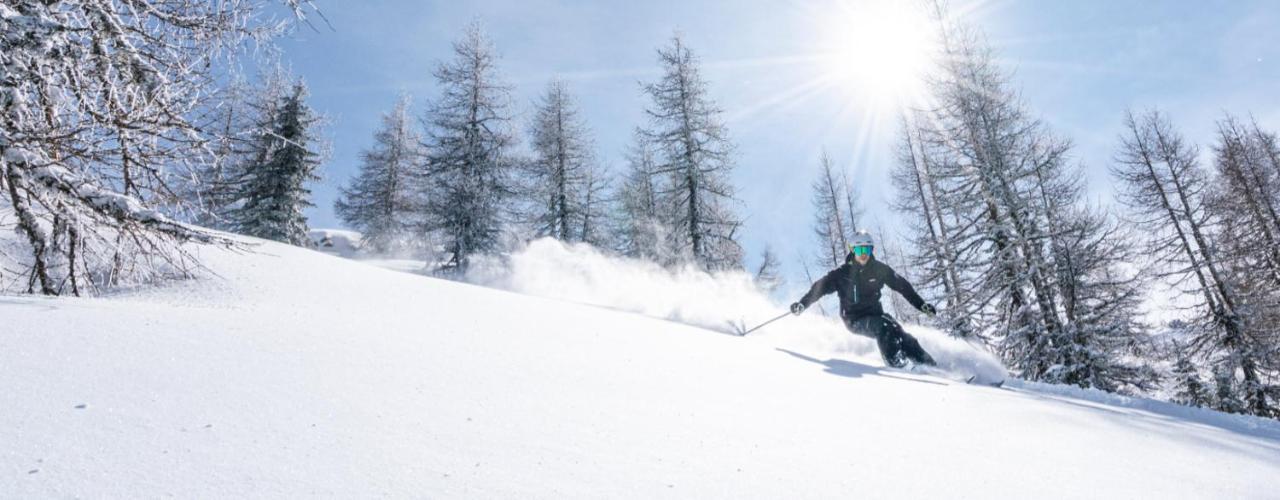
(910, 346)
(890, 342)
(877, 328)
(863, 326)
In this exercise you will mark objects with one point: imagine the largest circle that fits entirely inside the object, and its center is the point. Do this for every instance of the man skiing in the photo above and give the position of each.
(858, 283)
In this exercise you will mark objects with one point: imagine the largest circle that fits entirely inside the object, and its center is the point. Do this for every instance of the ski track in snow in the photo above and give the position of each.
(297, 374)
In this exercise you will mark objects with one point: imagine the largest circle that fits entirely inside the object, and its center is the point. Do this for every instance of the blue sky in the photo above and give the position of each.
(1078, 65)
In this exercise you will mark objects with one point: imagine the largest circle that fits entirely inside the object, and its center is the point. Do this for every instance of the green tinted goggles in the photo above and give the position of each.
(861, 250)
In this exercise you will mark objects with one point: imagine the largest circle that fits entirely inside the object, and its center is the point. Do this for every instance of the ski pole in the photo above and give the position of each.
(762, 325)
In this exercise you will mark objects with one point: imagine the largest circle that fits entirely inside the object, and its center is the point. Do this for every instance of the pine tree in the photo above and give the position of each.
(276, 194)
(382, 200)
(695, 156)
(469, 151)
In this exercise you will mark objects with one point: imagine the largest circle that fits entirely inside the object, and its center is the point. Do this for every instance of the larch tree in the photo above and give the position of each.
(641, 225)
(1169, 196)
(695, 156)
(835, 212)
(1002, 232)
(383, 200)
(564, 182)
(102, 118)
(470, 159)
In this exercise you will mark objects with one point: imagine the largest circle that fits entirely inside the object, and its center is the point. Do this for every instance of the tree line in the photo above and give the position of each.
(1002, 235)
(453, 183)
(123, 136)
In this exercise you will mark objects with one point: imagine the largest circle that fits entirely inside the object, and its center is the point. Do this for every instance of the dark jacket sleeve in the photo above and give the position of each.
(823, 286)
(902, 286)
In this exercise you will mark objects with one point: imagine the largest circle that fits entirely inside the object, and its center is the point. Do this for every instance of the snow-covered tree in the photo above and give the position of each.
(1001, 232)
(1168, 194)
(597, 225)
(101, 117)
(276, 192)
(641, 224)
(469, 147)
(695, 156)
(935, 229)
(1189, 387)
(564, 192)
(1247, 202)
(1250, 193)
(241, 123)
(383, 199)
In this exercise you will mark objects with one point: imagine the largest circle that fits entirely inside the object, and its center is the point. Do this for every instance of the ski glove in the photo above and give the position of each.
(797, 308)
(929, 309)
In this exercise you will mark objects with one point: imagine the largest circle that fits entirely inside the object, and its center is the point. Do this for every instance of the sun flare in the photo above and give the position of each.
(879, 50)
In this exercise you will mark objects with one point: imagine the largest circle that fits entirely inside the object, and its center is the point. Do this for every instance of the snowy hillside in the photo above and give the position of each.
(299, 374)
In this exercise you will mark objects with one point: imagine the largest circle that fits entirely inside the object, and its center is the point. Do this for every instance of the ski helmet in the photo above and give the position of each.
(861, 244)
(862, 238)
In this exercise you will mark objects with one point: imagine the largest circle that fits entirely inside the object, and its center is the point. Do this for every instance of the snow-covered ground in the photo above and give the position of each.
(298, 374)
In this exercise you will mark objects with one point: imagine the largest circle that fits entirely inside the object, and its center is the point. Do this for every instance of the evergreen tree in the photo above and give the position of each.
(695, 156)
(469, 151)
(382, 200)
(1226, 394)
(243, 124)
(1189, 387)
(276, 193)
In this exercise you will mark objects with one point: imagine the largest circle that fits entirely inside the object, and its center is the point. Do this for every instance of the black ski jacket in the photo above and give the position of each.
(858, 287)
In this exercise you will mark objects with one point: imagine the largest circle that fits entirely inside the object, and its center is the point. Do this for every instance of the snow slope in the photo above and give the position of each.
(298, 374)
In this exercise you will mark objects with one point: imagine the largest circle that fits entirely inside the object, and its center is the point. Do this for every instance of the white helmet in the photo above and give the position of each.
(862, 238)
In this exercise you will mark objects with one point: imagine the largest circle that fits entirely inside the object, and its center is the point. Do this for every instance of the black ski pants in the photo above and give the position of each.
(896, 345)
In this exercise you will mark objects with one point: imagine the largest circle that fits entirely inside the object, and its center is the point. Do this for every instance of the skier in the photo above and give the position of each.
(858, 283)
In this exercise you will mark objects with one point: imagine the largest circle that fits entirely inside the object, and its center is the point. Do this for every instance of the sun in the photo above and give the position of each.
(879, 50)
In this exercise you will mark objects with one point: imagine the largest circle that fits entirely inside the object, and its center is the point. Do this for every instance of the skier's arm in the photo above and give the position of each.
(820, 288)
(902, 286)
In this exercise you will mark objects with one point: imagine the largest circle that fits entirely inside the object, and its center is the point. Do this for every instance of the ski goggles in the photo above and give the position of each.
(861, 250)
